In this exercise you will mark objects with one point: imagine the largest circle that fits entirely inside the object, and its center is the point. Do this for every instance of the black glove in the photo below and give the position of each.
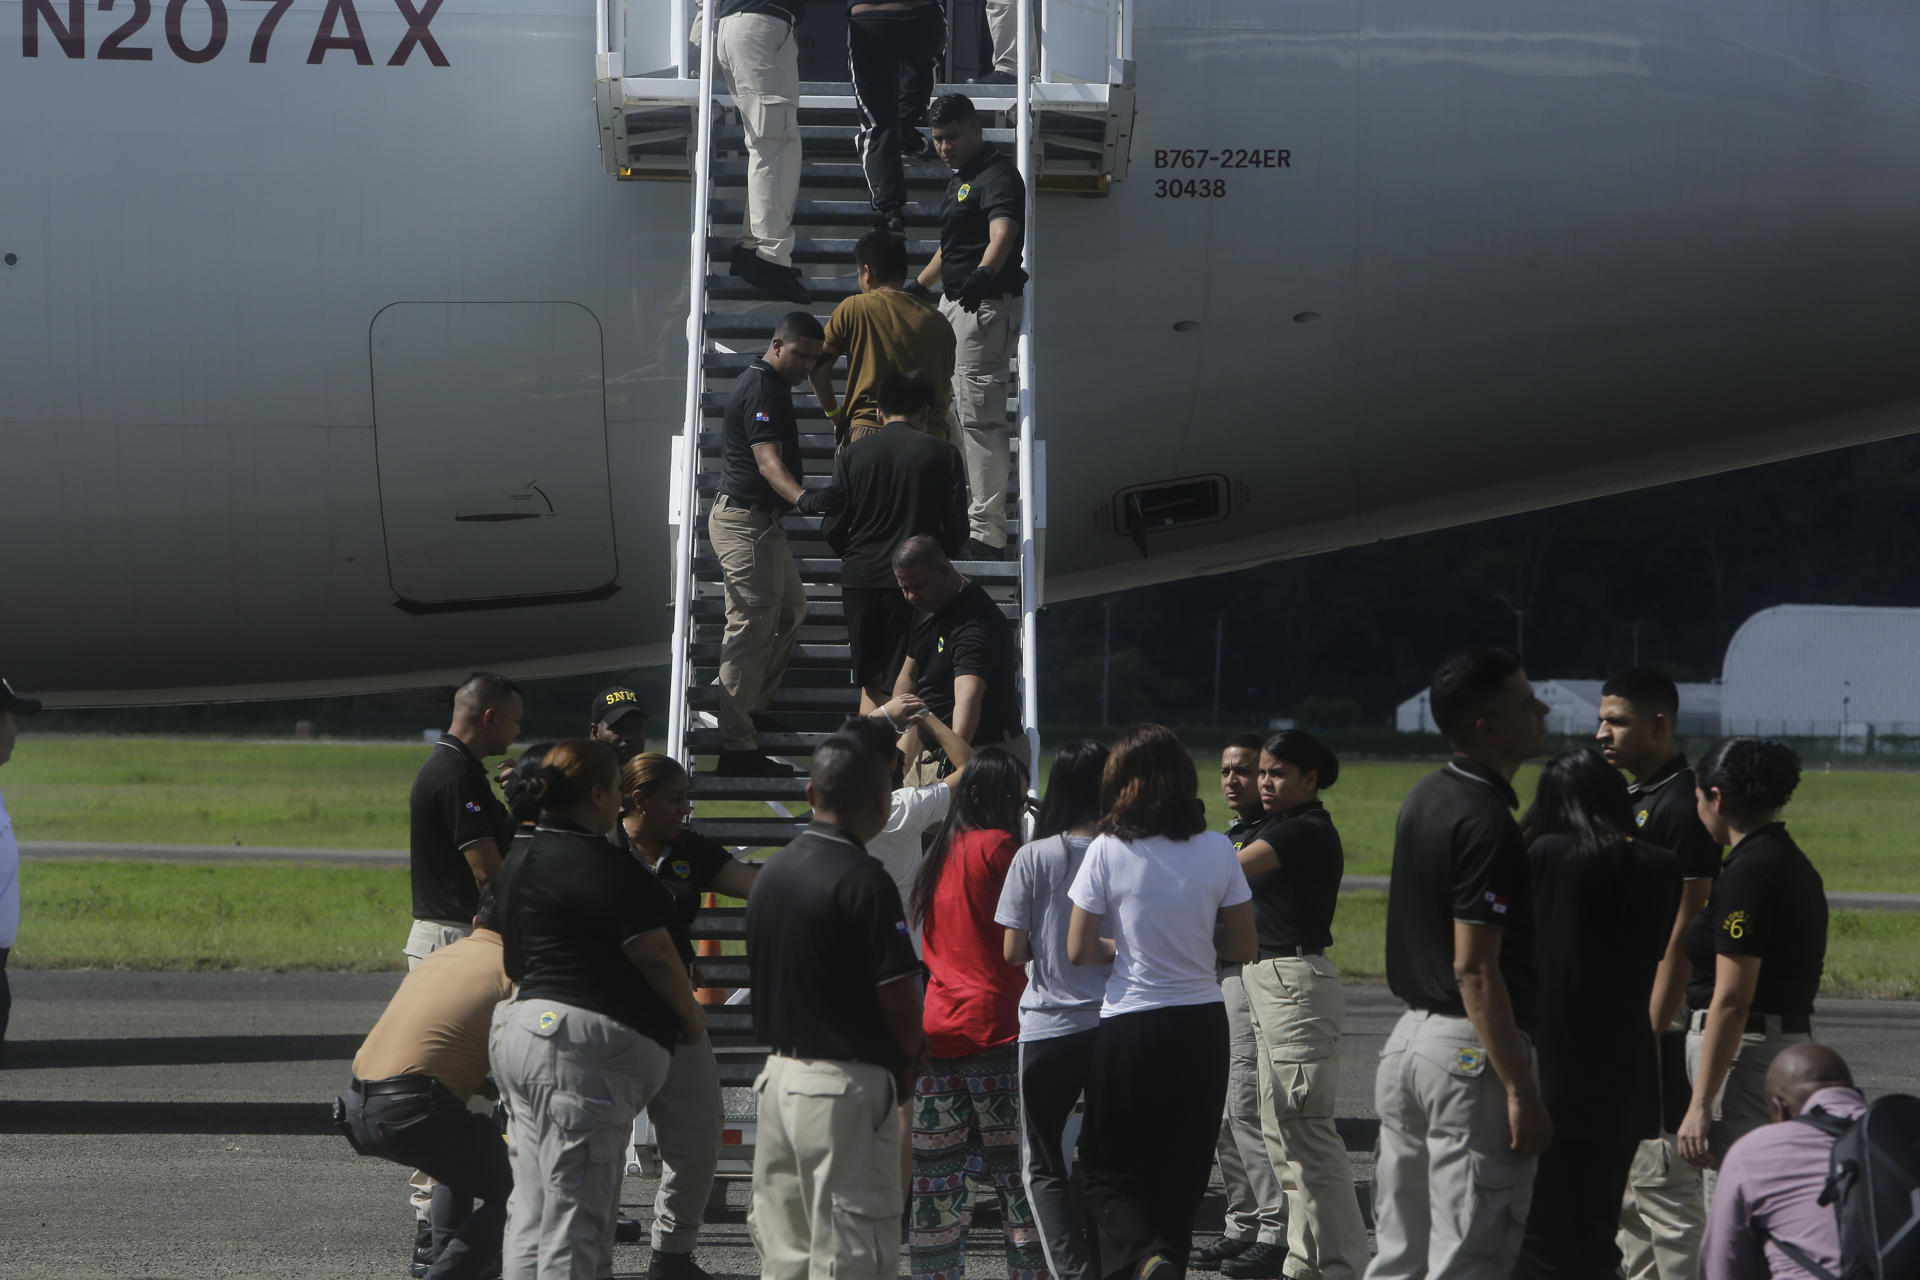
(813, 502)
(980, 286)
(917, 289)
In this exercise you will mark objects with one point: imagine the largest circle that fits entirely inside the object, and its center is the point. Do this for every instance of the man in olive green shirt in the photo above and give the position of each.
(883, 330)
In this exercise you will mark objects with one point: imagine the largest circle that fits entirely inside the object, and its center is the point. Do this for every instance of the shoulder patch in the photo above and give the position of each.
(473, 806)
(1735, 924)
(681, 867)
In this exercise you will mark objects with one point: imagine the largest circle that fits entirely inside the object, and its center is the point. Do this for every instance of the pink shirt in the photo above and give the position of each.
(1769, 1189)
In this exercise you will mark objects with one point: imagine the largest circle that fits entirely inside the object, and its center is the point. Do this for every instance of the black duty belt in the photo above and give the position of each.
(1289, 953)
(1792, 1024)
(792, 1051)
(393, 1085)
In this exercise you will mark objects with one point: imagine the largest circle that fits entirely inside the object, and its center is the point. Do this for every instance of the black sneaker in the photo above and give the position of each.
(772, 724)
(893, 222)
(1210, 1257)
(1258, 1261)
(751, 764)
(628, 1230)
(978, 550)
(675, 1266)
(917, 146)
(994, 77)
(768, 277)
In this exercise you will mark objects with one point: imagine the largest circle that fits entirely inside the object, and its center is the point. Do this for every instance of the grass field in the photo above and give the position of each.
(1859, 828)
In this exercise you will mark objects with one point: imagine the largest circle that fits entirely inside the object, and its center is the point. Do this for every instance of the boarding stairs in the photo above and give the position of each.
(729, 325)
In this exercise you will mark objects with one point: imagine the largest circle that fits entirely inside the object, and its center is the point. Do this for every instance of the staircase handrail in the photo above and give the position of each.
(689, 477)
(1029, 561)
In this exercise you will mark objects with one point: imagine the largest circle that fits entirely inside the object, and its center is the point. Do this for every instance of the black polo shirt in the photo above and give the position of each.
(988, 188)
(895, 484)
(759, 411)
(569, 904)
(1769, 902)
(824, 930)
(686, 870)
(451, 806)
(969, 637)
(1241, 830)
(1601, 924)
(1458, 856)
(1665, 811)
(1293, 904)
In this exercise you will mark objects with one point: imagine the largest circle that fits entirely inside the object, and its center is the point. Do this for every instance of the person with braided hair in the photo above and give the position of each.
(1757, 950)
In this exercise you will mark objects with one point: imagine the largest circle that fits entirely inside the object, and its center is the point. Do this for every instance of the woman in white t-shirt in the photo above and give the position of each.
(1158, 882)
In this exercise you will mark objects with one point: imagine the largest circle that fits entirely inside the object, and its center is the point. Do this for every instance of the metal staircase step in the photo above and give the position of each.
(750, 329)
(922, 175)
(726, 211)
(824, 249)
(752, 833)
(828, 131)
(803, 527)
(706, 697)
(709, 652)
(823, 289)
(805, 407)
(720, 922)
(708, 786)
(819, 612)
(813, 444)
(824, 569)
(788, 744)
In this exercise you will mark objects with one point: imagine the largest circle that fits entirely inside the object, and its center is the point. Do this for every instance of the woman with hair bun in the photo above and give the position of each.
(1757, 950)
(1293, 864)
(601, 1000)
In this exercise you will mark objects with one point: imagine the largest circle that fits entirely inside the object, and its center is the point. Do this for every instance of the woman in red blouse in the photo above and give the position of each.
(966, 1109)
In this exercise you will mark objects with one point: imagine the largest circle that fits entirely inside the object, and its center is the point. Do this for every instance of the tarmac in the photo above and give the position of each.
(176, 1125)
(398, 858)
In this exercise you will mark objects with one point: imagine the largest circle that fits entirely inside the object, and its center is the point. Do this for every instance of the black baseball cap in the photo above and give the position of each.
(11, 701)
(611, 705)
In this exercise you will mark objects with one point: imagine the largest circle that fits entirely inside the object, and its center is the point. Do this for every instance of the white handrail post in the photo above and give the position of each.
(680, 27)
(696, 348)
(1029, 561)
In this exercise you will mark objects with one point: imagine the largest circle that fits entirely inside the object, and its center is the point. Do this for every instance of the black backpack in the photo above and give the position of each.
(1873, 1184)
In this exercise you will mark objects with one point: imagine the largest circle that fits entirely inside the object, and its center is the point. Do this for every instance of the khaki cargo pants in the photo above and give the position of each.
(766, 603)
(983, 351)
(826, 1171)
(759, 55)
(1663, 1215)
(1450, 1196)
(1299, 1013)
(1256, 1206)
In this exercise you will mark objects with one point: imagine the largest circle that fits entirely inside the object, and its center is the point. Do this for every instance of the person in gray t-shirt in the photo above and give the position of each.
(1060, 1010)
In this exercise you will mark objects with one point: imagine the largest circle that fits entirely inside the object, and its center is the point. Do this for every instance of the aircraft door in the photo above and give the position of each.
(490, 435)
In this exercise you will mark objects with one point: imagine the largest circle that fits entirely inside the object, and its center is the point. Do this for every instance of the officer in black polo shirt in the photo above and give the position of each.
(459, 830)
(1461, 1116)
(759, 483)
(836, 995)
(891, 485)
(982, 233)
(962, 659)
(1665, 1211)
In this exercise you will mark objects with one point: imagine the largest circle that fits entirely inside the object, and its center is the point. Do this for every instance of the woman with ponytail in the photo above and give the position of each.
(601, 1000)
(1757, 951)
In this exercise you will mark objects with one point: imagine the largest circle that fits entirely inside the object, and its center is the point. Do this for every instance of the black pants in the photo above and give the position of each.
(1154, 1099)
(1576, 1209)
(893, 53)
(430, 1130)
(1053, 1075)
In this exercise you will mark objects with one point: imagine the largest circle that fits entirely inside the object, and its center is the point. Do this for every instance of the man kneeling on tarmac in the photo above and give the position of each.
(412, 1079)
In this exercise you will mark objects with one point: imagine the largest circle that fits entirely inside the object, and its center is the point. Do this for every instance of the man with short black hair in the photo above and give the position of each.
(982, 234)
(883, 331)
(1252, 1245)
(961, 656)
(12, 707)
(1664, 1211)
(758, 49)
(836, 996)
(459, 830)
(412, 1081)
(616, 718)
(893, 47)
(1768, 1218)
(759, 483)
(1461, 1117)
(895, 484)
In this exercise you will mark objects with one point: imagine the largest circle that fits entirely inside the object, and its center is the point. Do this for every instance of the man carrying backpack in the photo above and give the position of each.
(1766, 1205)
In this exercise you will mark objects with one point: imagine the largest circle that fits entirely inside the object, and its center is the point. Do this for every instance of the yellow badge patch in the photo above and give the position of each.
(1470, 1060)
(1735, 924)
(940, 645)
(966, 189)
(1640, 818)
(547, 1019)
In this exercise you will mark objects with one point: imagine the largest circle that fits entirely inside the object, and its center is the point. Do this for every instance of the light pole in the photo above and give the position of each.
(1519, 624)
(1106, 653)
(1219, 646)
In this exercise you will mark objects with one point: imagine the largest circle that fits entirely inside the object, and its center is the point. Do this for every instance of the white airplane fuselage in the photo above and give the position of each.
(266, 298)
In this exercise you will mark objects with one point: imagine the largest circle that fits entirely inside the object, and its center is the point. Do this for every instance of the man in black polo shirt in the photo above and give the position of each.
(616, 718)
(459, 830)
(961, 659)
(759, 483)
(982, 232)
(1461, 1117)
(837, 998)
(1665, 1212)
(887, 487)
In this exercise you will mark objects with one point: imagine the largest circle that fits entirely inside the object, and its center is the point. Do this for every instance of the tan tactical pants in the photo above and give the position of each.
(1741, 1106)
(1450, 1195)
(766, 603)
(983, 351)
(572, 1080)
(687, 1119)
(1299, 1012)
(760, 57)
(826, 1171)
(1256, 1206)
(1663, 1215)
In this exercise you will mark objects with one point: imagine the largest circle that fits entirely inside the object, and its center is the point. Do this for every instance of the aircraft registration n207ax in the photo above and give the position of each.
(263, 263)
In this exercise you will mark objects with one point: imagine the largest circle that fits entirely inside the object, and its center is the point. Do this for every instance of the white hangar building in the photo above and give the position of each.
(1823, 671)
